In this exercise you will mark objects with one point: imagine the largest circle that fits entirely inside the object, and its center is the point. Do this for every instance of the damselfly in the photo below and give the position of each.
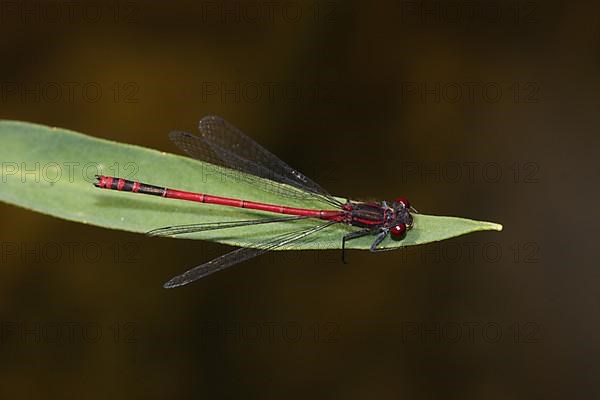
(221, 144)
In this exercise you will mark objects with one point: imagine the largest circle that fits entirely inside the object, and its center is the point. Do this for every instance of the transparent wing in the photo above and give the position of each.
(210, 226)
(242, 254)
(222, 144)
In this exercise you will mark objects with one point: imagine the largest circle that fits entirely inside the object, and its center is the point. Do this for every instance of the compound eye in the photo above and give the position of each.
(398, 231)
(404, 201)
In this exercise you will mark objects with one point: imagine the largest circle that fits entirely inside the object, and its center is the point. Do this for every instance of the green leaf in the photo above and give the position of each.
(51, 170)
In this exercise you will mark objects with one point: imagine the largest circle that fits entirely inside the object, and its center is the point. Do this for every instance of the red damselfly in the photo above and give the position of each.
(221, 144)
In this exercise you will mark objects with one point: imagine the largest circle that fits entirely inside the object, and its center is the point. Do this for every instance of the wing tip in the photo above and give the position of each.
(211, 120)
(175, 282)
(158, 232)
(169, 285)
(211, 117)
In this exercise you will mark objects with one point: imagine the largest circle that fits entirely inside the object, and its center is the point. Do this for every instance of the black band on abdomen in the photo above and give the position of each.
(128, 187)
(152, 190)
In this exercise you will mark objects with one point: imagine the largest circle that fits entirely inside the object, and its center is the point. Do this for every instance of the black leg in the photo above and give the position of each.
(378, 240)
(350, 236)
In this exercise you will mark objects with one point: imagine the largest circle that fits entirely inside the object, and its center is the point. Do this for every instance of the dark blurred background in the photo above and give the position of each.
(481, 109)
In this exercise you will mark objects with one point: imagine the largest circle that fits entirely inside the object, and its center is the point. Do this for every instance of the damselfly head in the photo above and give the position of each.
(403, 220)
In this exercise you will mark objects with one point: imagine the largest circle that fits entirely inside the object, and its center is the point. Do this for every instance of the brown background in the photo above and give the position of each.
(484, 109)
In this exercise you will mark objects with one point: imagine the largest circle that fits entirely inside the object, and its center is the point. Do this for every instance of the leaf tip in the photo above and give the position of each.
(495, 227)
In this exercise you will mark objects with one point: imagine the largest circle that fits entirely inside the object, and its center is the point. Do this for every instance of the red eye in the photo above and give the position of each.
(404, 201)
(398, 231)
